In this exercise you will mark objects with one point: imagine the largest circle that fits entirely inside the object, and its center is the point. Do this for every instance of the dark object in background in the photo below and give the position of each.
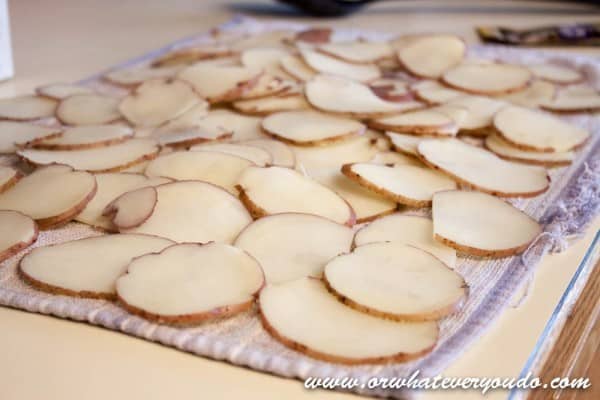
(562, 35)
(327, 8)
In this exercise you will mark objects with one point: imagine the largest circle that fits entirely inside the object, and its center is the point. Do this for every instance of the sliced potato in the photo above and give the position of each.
(263, 39)
(358, 52)
(356, 149)
(483, 170)
(393, 158)
(268, 85)
(24, 108)
(509, 152)
(282, 155)
(572, 101)
(190, 55)
(557, 74)
(536, 94)
(59, 91)
(100, 159)
(84, 137)
(110, 186)
(86, 267)
(88, 109)
(390, 89)
(271, 104)
(65, 193)
(536, 131)
(131, 77)
(265, 58)
(310, 128)
(295, 66)
(305, 317)
(131, 209)
(431, 55)
(220, 83)
(8, 177)
(289, 246)
(419, 122)
(395, 281)
(404, 184)
(195, 211)
(192, 118)
(256, 155)
(190, 283)
(487, 79)
(331, 65)
(16, 134)
(17, 232)
(193, 136)
(480, 113)
(272, 190)
(244, 127)
(482, 225)
(404, 143)
(433, 92)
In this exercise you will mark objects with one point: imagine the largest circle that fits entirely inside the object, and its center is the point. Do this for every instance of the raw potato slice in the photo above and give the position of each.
(356, 149)
(214, 167)
(193, 136)
(393, 158)
(536, 131)
(268, 85)
(305, 317)
(190, 283)
(101, 159)
(195, 211)
(340, 95)
(419, 122)
(289, 246)
(85, 137)
(480, 113)
(557, 74)
(88, 109)
(505, 150)
(539, 92)
(191, 55)
(390, 89)
(310, 128)
(16, 134)
(271, 104)
(411, 230)
(265, 58)
(257, 156)
(481, 225)
(458, 114)
(24, 108)
(366, 205)
(569, 102)
(433, 92)
(358, 52)
(265, 39)
(59, 91)
(404, 184)
(157, 101)
(296, 67)
(487, 79)
(131, 77)
(244, 127)
(220, 83)
(64, 192)
(131, 209)
(86, 267)
(331, 65)
(281, 154)
(110, 186)
(192, 118)
(8, 177)
(273, 190)
(403, 143)
(483, 170)
(431, 56)
(17, 232)
(398, 282)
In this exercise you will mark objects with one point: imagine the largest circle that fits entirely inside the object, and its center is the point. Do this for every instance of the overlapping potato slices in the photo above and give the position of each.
(17, 134)
(59, 91)
(220, 83)
(430, 56)
(25, 108)
(17, 232)
(88, 109)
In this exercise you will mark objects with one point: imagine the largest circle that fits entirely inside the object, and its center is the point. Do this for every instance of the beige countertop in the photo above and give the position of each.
(65, 40)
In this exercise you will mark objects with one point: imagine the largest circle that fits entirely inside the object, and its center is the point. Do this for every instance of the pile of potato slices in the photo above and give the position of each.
(282, 170)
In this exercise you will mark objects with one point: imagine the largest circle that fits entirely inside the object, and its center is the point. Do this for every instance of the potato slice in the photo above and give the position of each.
(480, 113)
(419, 122)
(272, 190)
(404, 184)
(536, 131)
(190, 283)
(404, 143)
(507, 151)
(110, 186)
(65, 193)
(131, 209)
(557, 74)
(392, 158)
(487, 79)
(433, 92)
(8, 177)
(265, 58)
(390, 89)
(340, 95)
(195, 211)
(17, 134)
(257, 156)
(264, 39)
(296, 67)
(244, 127)
(220, 83)
(573, 102)
(305, 317)
(268, 85)
(24, 108)
(412, 230)
(536, 94)
(271, 104)
(190, 55)
(483, 170)
(88, 109)
(101, 159)
(132, 77)
(310, 128)
(86, 267)
(356, 149)
(289, 246)
(85, 137)
(481, 225)
(282, 155)
(366, 204)
(193, 136)
(334, 66)
(358, 52)
(218, 168)
(157, 101)
(59, 91)
(17, 232)
(431, 55)
(398, 282)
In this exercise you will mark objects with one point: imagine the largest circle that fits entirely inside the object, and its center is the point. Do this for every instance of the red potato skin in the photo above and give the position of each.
(11, 182)
(17, 247)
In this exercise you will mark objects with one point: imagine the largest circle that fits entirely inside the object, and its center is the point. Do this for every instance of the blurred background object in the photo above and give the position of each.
(6, 60)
